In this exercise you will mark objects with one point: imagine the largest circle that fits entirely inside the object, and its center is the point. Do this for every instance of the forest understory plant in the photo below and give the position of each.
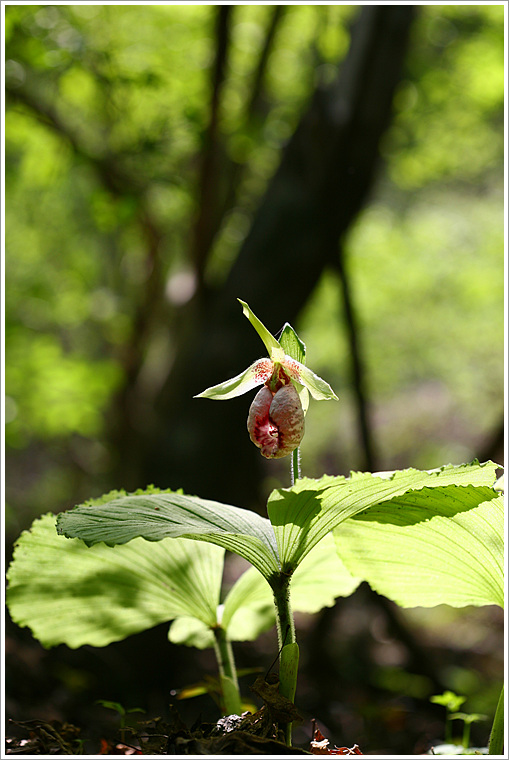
(420, 538)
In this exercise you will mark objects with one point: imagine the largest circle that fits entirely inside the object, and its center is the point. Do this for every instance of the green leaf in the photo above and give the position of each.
(191, 632)
(158, 516)
(468, 717)
(240, 384)
(448, 699)
(496, 742)
(294, 512)
(303, 515)
(68, 593)
(318, 581)
(274, 349)
(320, 578)
(248, 608)
(429, 547)
(292, 345)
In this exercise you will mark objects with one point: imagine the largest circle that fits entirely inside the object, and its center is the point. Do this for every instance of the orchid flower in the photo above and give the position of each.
(276, 417)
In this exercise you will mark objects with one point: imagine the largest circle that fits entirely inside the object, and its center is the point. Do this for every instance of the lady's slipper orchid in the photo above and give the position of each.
(276, 421)
(276, 417)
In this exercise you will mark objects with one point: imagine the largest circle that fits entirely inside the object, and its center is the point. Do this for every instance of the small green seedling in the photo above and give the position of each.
(468, 719)
(122, 712)
(452, 702)
(421, 538)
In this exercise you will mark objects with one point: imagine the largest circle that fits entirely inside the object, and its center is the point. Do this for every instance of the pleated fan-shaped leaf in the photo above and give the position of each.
(163, 515)
(317, 582)
(304, 514)
(248, 608)
(429, 547)
(66, 592)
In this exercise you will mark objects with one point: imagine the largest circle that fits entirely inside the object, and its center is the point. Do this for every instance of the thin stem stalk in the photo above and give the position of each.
(231, 702)
(295, 471)
(448, 727)
(466, 735)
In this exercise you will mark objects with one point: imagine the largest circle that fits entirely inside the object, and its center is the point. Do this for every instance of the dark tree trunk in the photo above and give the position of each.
(323, 180)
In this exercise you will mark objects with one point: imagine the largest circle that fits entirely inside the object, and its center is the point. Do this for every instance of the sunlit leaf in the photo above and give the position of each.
(248, 608)
(429, 547)
(69, 593)
(158, 516)
(191, 632)
(320, 578)
(304, 514)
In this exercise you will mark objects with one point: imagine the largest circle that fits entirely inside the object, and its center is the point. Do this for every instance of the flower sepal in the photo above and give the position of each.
(262, 370)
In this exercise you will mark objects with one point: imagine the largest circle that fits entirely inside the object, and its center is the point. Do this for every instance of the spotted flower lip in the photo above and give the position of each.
(261, 371)
(276, 421)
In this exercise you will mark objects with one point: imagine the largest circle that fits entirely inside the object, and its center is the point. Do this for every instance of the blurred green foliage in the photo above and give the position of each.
(426, 260)
(107, 110)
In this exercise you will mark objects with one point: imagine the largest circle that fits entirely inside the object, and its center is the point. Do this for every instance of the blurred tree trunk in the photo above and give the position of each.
(326, 171)
(210, 170)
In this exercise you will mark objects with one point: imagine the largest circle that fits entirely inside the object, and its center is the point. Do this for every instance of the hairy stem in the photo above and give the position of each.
(295, 471)
(288, 660)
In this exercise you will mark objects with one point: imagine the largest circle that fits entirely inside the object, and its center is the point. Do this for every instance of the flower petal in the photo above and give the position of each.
(319, 389)
(257, 374)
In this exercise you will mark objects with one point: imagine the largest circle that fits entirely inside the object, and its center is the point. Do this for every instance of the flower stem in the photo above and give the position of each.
(230, 702)
(295, 471)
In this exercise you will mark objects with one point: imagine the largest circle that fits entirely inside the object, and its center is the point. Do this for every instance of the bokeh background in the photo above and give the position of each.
(339, 167)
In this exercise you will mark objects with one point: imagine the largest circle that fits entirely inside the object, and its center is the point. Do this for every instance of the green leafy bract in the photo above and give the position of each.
(291, 344)
(294, 347)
